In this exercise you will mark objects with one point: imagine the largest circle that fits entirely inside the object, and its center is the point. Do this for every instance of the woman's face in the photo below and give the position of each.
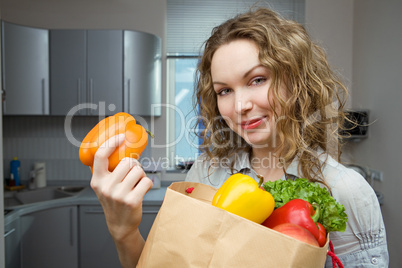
(242, 84)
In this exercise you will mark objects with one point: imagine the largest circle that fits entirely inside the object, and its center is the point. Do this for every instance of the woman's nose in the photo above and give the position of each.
(243, 102)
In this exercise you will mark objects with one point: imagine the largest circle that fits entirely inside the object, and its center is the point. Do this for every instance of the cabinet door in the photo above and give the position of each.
(142, 74)
(97, 248)
(67, 70)
(49, 238)
(148, 217)
(12, 244)
(25, 70)
(105, 71)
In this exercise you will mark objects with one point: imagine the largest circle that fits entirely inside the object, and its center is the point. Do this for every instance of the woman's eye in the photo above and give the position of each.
(258, 81)
(223, 91)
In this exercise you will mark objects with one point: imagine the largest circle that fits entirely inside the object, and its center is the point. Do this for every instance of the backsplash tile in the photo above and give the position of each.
(44, 139)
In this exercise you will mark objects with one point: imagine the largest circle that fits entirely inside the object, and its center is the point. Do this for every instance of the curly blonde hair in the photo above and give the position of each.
(311, 114)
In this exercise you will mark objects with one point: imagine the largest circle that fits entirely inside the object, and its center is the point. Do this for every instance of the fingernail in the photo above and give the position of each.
(131, 161)
(136, 163)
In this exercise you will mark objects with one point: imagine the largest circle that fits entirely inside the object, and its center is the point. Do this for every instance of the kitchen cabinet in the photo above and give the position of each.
(142, 74)
(49, 238)
(68, 70)
(86, 72)
(12, 244)
(97, 248)
(25, 59)
(148, 217)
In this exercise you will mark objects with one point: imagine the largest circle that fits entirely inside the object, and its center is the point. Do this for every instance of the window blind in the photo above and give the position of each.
(190, 22)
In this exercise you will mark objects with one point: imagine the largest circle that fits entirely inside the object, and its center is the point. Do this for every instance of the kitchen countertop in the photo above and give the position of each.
(85, 197)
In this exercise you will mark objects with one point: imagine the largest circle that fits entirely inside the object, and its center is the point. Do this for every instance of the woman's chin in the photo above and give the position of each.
(257, 141)
(256, 138)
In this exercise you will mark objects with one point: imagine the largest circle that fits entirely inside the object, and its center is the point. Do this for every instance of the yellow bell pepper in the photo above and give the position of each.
(242, 195)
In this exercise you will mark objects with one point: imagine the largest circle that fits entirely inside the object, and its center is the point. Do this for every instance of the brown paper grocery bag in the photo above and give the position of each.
(189, 232)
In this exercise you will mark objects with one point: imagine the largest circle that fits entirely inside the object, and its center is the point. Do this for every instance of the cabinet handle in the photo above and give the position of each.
(150, 212)
(4, 100)
(125, 98)
(9, 232)
(43, 96)
(71, 228)
(94, 212)
(128, 94)
(90, 92)
(79, 93)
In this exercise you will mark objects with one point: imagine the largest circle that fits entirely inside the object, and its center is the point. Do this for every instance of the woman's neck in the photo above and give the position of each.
(267, 164)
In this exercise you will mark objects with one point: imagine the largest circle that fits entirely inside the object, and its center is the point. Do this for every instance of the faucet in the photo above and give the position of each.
(32, 176)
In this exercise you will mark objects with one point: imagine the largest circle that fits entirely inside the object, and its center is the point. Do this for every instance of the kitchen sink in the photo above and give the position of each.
(71, 189)
(21, 198)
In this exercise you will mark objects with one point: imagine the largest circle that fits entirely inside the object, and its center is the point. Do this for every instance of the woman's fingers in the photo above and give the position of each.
(134, 187)
(136, 196)
(101, 161)
(131, 174)
(124, 167)
(126, 184)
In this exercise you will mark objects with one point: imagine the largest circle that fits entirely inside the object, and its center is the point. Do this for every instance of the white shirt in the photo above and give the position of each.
(363, 244)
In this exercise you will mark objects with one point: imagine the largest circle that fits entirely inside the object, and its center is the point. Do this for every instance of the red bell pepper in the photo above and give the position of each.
(296, 211)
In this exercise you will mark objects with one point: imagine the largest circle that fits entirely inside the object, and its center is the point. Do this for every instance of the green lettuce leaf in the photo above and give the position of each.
(332, 214)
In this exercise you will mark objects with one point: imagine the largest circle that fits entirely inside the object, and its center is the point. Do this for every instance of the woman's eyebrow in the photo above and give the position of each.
(252, 69)
(219, 83)
(244, 76)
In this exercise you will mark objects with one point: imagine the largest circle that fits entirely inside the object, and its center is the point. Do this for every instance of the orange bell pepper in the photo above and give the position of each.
(136, 139)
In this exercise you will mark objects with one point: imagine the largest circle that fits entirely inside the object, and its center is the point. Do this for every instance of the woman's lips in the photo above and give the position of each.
(251, 124)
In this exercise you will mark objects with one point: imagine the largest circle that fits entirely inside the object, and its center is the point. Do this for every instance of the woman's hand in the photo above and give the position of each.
(121, 193)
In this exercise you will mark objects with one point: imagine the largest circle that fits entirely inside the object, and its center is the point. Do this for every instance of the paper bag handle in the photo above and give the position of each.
(335, 260)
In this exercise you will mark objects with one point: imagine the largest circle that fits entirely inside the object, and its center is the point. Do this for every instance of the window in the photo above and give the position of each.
(182, 117)
(189, 24)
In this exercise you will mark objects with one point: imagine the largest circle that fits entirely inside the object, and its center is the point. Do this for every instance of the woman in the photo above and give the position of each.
(271, 107)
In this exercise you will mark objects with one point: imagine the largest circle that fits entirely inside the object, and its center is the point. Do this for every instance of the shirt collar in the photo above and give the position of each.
(293, 168)
(242, 162)
(242, 165)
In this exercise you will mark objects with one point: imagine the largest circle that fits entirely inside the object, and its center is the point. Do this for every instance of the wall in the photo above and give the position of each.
(330, 23)
(43, 139)
(363, 41)
(141, 15)
(377, 86)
